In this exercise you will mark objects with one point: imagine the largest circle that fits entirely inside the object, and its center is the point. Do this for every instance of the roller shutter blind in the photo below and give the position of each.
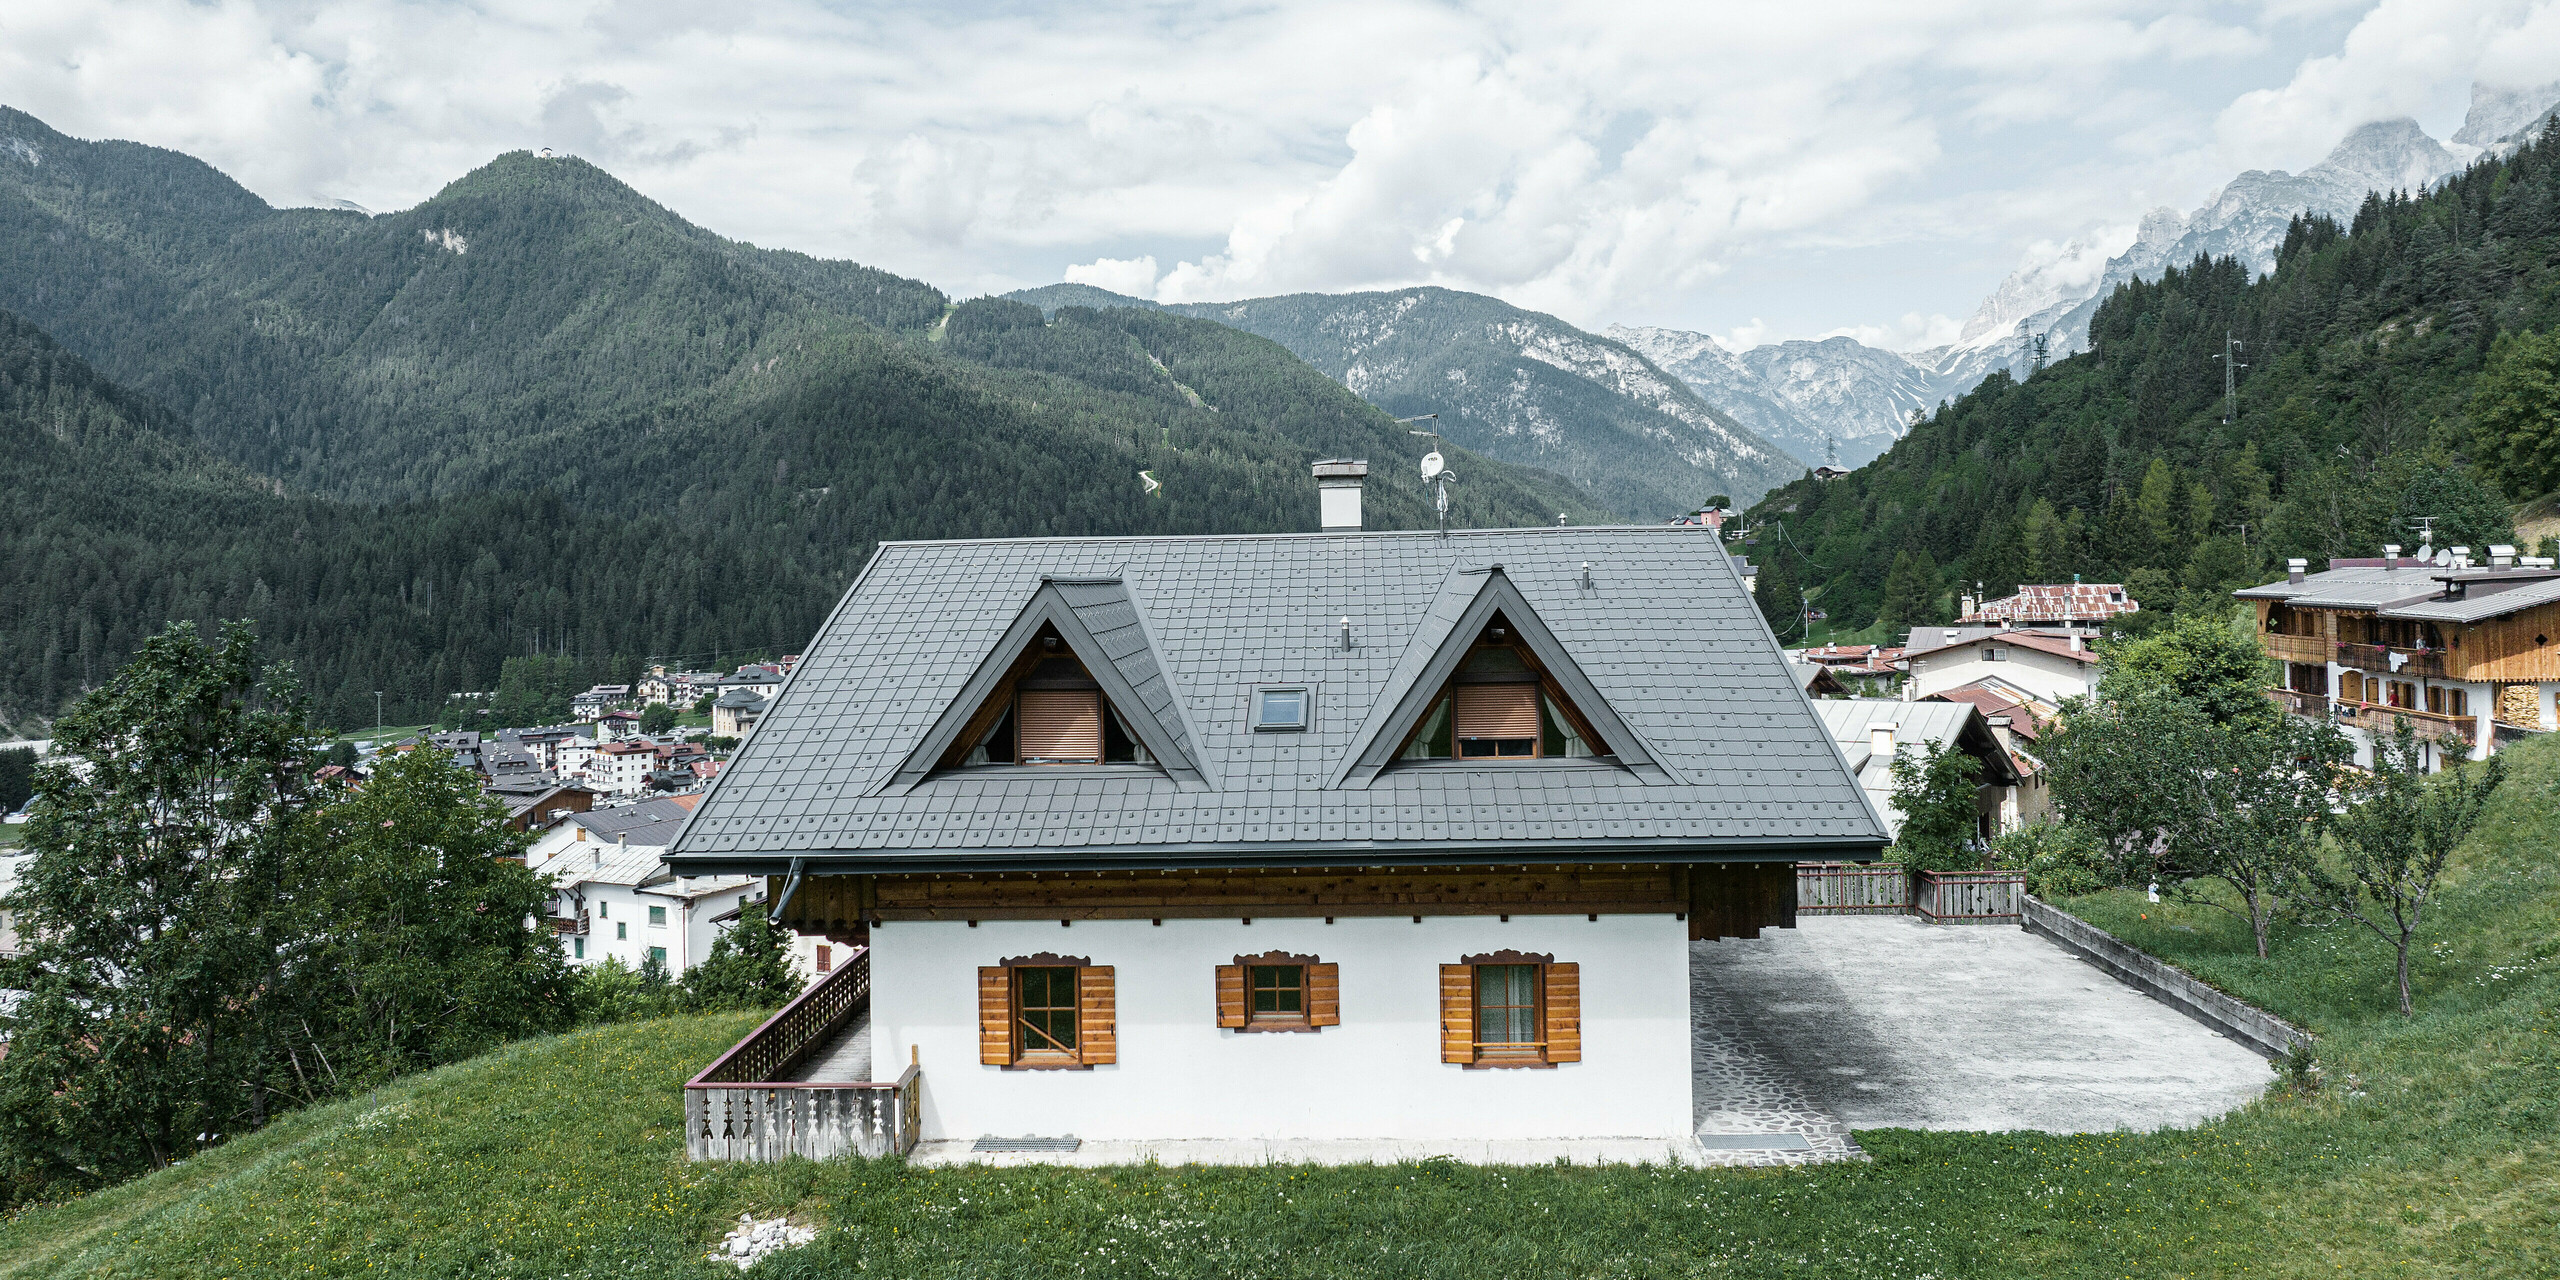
(995, 1016)
(1497, 711)
(1058, 725)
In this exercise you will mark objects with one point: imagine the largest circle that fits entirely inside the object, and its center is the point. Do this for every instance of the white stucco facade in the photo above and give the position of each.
(2052, 677)
(1376, 1075)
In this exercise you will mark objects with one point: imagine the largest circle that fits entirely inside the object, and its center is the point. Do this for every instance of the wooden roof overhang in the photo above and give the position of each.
(1251, 855)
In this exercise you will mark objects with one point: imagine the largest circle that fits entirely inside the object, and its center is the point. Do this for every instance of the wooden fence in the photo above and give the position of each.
(1849, 889)
(1968, 897)
(1886, 889)
(742, 1106)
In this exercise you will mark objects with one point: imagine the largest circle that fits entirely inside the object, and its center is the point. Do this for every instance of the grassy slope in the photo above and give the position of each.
(561, 1157)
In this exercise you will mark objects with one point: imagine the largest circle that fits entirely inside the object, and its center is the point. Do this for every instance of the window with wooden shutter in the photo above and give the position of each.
(1098, 1015)
(995, 1016)
(1500, 704)
(1510, 1009)
(1058, 726)
(1277, 991)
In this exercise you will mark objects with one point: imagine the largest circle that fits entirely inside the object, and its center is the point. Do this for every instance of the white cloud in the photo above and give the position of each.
(1135, 277)
(1909, 333)
(1650, 161)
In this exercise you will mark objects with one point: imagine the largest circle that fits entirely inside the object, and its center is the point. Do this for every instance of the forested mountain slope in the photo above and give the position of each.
(1511, 384)
(546, 404)
(2398, 369)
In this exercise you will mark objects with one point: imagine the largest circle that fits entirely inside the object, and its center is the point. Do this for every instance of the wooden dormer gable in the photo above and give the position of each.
(1481, 641)
(1074, 675)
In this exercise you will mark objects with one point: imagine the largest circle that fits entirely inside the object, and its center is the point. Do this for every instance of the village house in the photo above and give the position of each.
(735, 714)
(622, 768)
(1349, 835)
(2083, 605)
(614, 897)
(589, 707)
(2463, 652)
(2051, 665)
(1874, 732)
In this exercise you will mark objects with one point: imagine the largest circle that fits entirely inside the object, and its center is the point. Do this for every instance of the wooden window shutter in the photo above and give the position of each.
(995, 1016)
(1058, 724)
(1324, 995)
(1231, 995)
(1457, 1013)
(1497, 710)
(1564, 1013)
(1097, 1017)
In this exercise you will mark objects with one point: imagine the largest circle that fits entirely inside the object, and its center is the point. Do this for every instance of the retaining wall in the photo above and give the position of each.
(2269, 1035)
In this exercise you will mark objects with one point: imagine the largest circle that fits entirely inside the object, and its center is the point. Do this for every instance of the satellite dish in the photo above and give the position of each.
(1433, 464)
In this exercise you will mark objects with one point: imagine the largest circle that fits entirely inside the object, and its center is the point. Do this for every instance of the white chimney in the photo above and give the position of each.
(2390, 555)
(2295, 568)
(2502, 556)
(1880, 739)
(2075, 642)
(1338, 493)
(2462, 557)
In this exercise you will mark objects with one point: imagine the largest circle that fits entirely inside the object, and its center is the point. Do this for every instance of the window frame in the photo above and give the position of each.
(1025, 1053)
(1306, 720)
(1551, 703)
(657, 917)
(1080, 971)
(1497, 1055)
(1304, 1018)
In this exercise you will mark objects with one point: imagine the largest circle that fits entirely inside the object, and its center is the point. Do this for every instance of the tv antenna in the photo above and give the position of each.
(1435, 469)
(2230, 361)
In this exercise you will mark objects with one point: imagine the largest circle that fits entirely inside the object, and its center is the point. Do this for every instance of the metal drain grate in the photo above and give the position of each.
(1754, 1142)
(1026, 1144)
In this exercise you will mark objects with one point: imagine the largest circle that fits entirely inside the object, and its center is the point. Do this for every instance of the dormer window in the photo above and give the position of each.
(1500, 706)
(1054, 713)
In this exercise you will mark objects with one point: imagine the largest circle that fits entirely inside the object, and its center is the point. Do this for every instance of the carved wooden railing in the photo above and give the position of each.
(2380, 717)
(2293, 648)
(2313, 706)
(743, 1108)
(1848, 889)
(2376, 658)
(1968, 897)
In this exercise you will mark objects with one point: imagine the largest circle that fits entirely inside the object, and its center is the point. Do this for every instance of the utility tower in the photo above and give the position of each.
(2230, 362)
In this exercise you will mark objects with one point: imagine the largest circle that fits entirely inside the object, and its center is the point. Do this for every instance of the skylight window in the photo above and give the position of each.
(1280, 710)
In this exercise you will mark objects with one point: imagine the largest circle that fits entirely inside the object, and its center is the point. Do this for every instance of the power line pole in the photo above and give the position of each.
(2230, 348)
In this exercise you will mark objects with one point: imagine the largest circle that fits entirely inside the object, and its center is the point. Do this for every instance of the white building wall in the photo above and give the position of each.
(2049, 676)
(1377, 1075)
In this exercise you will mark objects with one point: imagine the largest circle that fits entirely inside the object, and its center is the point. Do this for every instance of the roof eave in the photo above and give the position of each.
(1282, 855)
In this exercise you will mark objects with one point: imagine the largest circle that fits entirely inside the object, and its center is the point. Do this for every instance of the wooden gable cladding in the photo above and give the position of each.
(1739, 899)
(1630, 889)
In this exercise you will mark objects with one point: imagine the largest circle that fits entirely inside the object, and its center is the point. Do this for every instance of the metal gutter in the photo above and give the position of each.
(1249, 855)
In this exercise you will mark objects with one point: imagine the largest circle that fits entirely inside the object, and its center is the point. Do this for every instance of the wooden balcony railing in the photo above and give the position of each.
(2285, 648)
(1848, 889)
(742, 1106)
(2310, 706)
(2376, 658)
(2379, 717)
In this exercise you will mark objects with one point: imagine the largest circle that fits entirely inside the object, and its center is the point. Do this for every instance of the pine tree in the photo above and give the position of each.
(1781, 600)
(1910, 592)
(749, 967)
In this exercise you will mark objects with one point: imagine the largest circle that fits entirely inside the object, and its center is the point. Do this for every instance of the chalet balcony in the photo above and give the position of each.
(2377, 659)
(2285, 648)
(2310, 706)
(792, 1087)
(2377, 717)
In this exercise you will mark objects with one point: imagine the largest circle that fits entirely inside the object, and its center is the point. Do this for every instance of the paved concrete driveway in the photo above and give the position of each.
(1886, 1022)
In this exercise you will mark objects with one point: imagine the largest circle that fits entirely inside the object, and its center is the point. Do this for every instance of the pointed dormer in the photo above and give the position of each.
(1486, 683)
(1072, 684)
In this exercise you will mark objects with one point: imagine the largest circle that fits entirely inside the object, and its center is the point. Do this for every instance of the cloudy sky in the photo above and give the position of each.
(1754, 170)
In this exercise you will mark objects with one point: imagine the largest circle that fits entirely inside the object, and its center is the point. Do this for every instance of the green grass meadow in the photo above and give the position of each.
(2428, 1150)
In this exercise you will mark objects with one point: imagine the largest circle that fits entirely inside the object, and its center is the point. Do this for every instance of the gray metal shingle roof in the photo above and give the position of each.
(1665, 633)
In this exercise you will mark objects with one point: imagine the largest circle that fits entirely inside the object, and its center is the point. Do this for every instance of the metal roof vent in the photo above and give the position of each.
(1338, 483)
(2390, 556)
(2502, 556)
(2462, 557)
(1880, 739)
(2294, 569)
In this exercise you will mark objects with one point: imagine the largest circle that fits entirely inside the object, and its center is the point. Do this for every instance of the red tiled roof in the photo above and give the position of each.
(2087, 601)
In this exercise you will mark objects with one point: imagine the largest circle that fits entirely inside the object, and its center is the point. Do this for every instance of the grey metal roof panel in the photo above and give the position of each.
(2480, 605)
(2355, 588)
(1665, 634)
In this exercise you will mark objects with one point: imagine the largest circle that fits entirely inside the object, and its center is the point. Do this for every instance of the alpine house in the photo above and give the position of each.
(1348, 835)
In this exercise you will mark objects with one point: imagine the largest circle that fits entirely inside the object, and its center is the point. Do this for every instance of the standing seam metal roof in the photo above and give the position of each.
(1666, 635)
